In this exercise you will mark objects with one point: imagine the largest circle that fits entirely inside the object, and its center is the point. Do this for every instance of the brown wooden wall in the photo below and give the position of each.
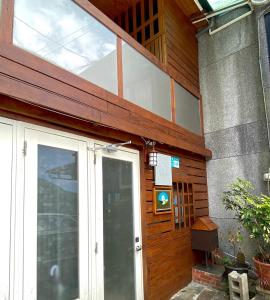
(168, 256)
(181, 43)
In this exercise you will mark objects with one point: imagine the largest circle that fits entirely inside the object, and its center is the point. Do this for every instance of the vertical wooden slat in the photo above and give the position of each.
(119, 67)
(126, 20)
(173, 101)
(6, 21)
(189, 210)
(134, 20)
(143, 22)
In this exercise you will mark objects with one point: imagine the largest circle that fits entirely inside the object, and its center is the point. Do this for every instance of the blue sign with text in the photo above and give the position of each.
(175, 162)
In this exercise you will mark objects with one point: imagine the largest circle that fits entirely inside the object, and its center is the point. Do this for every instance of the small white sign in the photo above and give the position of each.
(163, 170)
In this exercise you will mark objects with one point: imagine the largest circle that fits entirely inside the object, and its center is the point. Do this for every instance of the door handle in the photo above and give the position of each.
(139, 248)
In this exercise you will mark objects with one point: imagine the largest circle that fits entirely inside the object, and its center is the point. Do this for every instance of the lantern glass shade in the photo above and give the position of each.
(152, 158)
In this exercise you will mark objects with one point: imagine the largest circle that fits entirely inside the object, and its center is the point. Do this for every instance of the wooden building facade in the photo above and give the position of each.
(53, 93)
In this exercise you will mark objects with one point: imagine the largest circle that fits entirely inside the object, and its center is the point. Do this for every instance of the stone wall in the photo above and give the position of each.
(234, 114)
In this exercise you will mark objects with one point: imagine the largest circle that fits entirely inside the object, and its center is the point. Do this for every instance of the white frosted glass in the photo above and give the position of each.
(145, 84)
(187, 110)
(66, 35)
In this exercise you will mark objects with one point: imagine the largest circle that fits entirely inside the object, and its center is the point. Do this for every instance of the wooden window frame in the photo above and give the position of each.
(182, 205)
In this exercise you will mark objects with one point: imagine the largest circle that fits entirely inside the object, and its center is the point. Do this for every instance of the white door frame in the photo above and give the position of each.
(24, 209)
(35, 137)
(132, 156)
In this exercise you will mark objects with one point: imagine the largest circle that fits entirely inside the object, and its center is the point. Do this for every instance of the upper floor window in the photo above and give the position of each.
(66, 35)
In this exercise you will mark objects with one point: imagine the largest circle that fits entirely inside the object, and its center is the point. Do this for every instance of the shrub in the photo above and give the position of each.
(253, 212)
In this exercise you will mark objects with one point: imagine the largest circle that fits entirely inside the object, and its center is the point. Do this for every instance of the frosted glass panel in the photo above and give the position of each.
(57, 233)
(66, 35)
(6, 135)
(119, 276)
(187, 110)
(145, 84)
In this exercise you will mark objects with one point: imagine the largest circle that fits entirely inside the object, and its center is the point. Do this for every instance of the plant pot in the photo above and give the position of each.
(239, 269)
(263, 271)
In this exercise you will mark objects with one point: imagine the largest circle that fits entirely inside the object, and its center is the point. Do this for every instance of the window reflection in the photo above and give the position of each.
(119, 269)
(63, 33)
(57, 232)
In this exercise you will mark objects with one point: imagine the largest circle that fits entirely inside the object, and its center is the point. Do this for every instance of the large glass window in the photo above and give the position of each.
(66, 35)
(119, 269)
(187, 108)
(57, 231)
(145, 84)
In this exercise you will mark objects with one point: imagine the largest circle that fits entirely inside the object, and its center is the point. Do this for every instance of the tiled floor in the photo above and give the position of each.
(195, 291)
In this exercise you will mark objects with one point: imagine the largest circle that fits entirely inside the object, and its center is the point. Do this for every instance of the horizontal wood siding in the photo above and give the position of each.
(181, 44)
(168, 257)
(167, 254)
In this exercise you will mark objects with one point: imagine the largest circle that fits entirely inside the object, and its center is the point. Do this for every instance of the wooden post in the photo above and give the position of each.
(173, 101)
(119, 67)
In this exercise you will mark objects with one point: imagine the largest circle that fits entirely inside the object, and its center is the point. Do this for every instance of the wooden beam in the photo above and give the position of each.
(119, 67)
(6, 21)
(173, 104)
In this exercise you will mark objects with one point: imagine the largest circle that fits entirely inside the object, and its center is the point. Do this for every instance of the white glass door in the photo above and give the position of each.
(119, 255)
(56, 264)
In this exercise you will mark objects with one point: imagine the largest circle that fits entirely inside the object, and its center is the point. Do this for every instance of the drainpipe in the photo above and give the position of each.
(264, 95)
(224, 11)
(209, 27)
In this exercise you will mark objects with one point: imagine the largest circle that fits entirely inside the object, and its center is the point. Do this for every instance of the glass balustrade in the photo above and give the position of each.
(187, 109)
(145, 84)
(66, 35)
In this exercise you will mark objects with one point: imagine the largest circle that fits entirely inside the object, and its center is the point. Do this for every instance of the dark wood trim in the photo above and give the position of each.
(62, 105)
(6, 21)
(119, 67)
(79, 88)
(173, 101)
(143, 224)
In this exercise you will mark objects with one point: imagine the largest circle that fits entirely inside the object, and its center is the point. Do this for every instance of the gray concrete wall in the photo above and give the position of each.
(234, 115)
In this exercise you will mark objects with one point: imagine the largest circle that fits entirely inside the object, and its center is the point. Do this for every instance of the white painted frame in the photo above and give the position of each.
(7, 205)
(23, 213)
(132, 156)
(35, 137)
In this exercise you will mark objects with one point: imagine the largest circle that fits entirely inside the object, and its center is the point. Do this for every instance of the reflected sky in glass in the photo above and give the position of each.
(219, 4)
(63, 33)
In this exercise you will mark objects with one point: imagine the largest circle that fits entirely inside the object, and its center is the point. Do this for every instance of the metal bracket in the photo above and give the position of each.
(110, 148)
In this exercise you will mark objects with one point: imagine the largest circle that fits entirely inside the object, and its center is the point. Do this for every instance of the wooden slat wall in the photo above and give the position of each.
(167, 251)
(181, 43)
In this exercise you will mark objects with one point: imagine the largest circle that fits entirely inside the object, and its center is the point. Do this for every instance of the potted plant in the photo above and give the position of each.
(253, 212)
(238, 261)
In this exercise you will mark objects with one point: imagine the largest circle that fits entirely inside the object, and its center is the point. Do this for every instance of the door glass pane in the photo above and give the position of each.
(119, 279)
(57, 233)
